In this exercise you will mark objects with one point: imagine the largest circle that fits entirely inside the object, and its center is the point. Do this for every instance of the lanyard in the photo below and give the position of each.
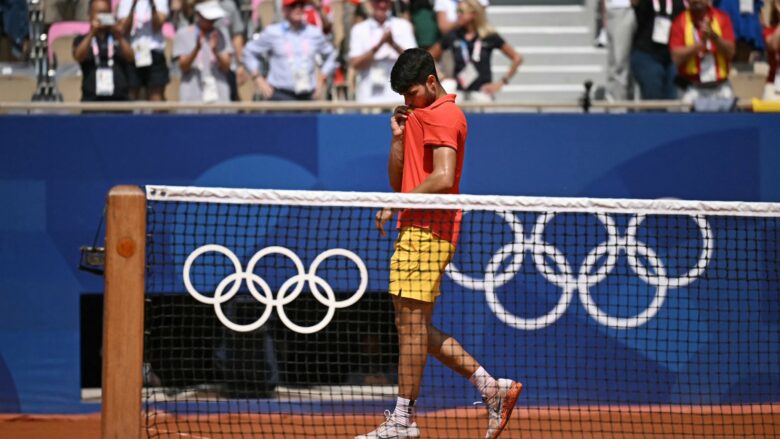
(288, 48)
(476, 53)
(96, 51)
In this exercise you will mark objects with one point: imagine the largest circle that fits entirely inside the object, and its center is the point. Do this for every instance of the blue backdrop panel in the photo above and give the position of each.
(55, 173)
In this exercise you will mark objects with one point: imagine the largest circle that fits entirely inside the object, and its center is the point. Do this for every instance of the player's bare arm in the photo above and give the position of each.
(442, 178)
(395, 162)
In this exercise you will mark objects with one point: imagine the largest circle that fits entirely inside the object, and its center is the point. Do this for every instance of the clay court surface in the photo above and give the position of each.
(558, 422)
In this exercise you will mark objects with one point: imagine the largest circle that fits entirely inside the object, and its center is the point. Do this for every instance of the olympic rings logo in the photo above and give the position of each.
(232, 283)
(585, 278)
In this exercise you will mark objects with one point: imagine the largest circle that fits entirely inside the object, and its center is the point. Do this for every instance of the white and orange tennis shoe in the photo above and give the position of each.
(391, 428)
(500, 406)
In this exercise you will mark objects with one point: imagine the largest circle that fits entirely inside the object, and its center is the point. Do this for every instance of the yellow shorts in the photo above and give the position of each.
(418, 264)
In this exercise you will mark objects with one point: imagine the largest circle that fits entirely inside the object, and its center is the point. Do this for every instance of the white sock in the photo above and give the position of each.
(404, 411)
(486, 385)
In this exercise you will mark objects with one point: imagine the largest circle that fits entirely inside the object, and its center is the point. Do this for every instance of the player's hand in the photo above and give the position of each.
(382, 217)
(398, 120)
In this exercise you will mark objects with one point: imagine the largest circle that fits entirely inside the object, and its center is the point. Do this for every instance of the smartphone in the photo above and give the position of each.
(106, 19)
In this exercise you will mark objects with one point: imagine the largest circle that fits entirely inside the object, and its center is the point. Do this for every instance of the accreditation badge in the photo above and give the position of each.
(467, 76)
(302, 81)
(746, 7)
(708, 72)
(378, 76)
(143, 53)
(210, 92)
(662, 27)
(104, 81)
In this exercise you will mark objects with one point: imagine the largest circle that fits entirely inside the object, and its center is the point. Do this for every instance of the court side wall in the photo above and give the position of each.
(55, 172)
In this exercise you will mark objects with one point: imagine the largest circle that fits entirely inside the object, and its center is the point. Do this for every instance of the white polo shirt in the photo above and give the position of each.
(373, 83)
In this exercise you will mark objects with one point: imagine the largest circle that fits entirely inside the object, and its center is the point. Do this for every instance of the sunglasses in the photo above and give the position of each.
(462, 11)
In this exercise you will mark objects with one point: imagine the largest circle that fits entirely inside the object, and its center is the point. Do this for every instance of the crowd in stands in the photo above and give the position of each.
(280, 50)
(686, 49)
(226, 50)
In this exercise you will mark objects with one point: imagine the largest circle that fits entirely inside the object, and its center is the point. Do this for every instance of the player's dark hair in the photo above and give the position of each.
(412, 68)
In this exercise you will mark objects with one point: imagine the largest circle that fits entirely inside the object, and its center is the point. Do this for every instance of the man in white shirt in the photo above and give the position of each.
(374, 46)
(143, 21)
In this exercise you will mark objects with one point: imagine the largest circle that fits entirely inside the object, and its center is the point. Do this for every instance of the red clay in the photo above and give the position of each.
(757, 420)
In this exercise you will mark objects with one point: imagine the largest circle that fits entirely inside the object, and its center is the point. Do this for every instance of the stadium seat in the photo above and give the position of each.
(265, 11)
(17, 88)
(246, 91)
(748, 85)
(64, 49)
(70, 87)
(172, 89)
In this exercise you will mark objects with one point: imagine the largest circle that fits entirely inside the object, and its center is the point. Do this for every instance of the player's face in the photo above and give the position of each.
(421, 95)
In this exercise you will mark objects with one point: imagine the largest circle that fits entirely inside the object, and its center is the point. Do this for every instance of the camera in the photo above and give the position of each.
(106, 19)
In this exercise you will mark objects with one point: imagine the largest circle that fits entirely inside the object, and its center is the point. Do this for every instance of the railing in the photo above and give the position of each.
(146, 107)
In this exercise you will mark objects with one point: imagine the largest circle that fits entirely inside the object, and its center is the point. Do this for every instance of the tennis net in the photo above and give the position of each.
(267, 315)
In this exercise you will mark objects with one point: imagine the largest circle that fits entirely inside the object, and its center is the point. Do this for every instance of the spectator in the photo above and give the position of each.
(15, 24)
(291, 48)
(374, 45)
(104, 55)
(203, 52)
(620, 23)
(426, 29)
(234, 25)
(772, 35)
(446, 14)
(143, 21)
(651, 63)
(472, 44)
(702, 45)
(748, 32)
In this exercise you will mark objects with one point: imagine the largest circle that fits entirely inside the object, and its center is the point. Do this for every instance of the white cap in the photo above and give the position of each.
(210, 10)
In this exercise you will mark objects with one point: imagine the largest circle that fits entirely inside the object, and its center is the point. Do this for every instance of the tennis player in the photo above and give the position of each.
(426, 156)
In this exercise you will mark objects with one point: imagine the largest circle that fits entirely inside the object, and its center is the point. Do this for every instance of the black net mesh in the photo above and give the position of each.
(275, 321)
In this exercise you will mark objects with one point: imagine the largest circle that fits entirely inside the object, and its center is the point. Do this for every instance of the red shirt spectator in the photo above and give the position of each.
(706, 35)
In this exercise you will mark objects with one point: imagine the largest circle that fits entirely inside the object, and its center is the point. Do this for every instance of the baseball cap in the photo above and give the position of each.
(210, 10)
(292, 2)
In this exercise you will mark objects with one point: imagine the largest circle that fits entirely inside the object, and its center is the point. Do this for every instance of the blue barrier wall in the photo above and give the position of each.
(55, 172)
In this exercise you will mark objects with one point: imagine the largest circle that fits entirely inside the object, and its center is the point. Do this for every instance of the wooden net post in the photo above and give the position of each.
(123, 316)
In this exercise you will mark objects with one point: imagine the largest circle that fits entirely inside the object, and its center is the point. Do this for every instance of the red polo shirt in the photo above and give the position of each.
(441, 124)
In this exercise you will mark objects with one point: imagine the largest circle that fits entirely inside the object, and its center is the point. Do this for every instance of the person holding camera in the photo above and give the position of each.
(104, 56)
(143, 21)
